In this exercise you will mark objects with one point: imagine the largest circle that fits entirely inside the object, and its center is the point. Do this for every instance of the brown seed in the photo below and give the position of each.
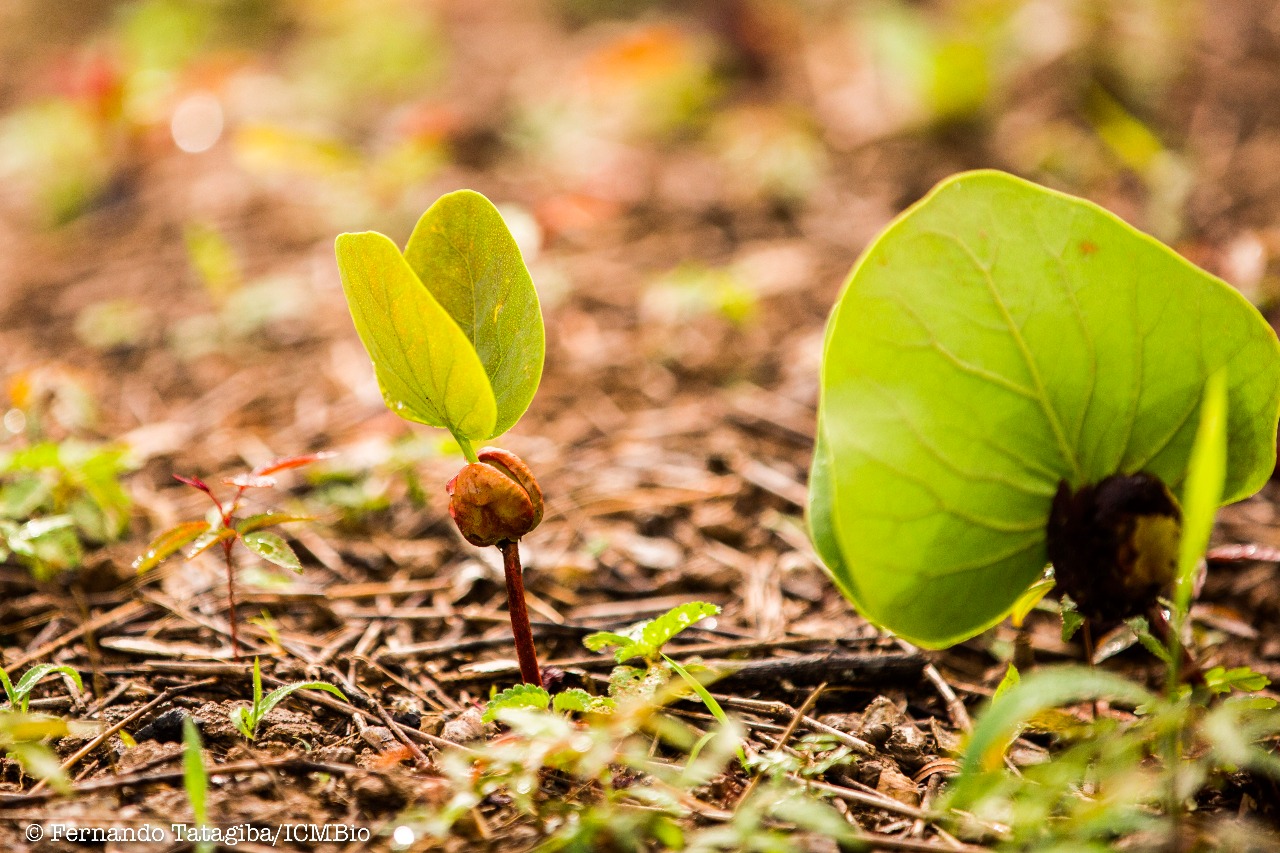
(494, 500)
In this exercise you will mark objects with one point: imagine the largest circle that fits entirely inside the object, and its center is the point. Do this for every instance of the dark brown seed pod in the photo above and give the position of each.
(1114, 545)
(495, 499)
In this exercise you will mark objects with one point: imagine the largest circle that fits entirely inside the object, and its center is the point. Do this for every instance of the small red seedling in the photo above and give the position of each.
(226, 529)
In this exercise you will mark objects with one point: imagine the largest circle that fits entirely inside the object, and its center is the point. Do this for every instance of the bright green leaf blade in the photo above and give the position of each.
(275, 697)
(39, 672)
(194, 777)
(272, 548)
(658, 632)
(428, 371)
(578, 700)
(998, 338)
(16, 728)
(168, 543)
(1040, 691)
(601, 640)
(712, 705)
(240, 718)
(464, 254)
(1206, 474)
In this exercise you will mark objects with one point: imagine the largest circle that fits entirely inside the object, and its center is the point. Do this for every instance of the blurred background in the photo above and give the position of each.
(690, 182)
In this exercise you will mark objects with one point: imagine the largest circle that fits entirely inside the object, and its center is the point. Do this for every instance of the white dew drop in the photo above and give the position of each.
(196, 123)
(15, 421)
(402, 837)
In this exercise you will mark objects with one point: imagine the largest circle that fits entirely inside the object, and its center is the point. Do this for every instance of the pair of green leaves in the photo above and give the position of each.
(202, 535)
(452, 324)
(999, 338)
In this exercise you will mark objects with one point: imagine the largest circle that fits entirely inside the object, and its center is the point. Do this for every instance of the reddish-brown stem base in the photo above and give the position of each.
(520, 627)
(231, 600)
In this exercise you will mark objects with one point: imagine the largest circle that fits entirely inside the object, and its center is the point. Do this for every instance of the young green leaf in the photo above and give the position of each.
(1206, 475)
(427, 368)
(194, 777)
(519, 696)
(713, 706)
(272, 548)
(1240, 678)
(646, 639)
(35, 675)
(242, 719)
(168, 543)
(462, 251)
(1007, 714)
(601, 640)
(578, 700)
(275, 697)
(999, 338)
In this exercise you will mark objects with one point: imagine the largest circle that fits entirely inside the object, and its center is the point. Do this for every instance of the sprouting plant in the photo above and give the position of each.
(645, 640)
(20, 694)
(57, 492)
(454, 331)
(195, 779)
(225, 529)
(1013, 376)
(246, 720)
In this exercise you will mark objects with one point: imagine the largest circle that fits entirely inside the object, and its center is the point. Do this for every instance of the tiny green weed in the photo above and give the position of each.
(246, 720)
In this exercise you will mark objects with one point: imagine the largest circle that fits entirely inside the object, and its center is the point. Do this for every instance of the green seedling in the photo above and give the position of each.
(246, 720)
(58, 493)
(646, 639)
(454, 330)
(1014, 375)
(20, 694)
(195, 779)
(225, 529)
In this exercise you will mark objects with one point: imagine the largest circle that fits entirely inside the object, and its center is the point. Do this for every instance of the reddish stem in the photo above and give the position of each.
(520, 628)
(231, 598)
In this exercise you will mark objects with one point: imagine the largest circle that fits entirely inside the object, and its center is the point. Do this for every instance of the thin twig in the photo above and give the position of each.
(786, 736)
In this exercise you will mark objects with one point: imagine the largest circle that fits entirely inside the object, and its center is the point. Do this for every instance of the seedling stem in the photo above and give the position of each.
(520, 628)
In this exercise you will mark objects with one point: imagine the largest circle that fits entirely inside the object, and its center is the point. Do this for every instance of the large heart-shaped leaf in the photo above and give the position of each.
(999, 338)
(464, 254)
